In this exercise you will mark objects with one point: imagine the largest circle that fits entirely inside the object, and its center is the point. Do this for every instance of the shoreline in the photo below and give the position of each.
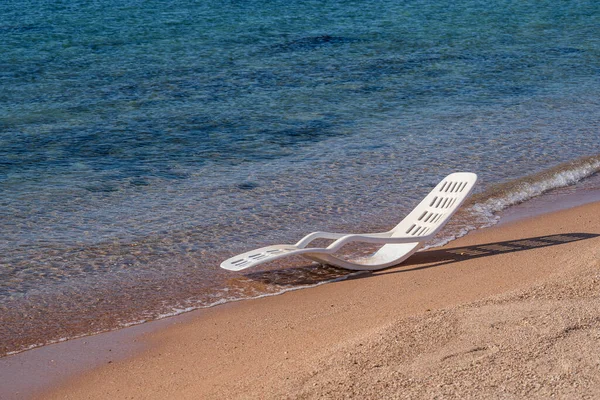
(140, 342)
(77, 307)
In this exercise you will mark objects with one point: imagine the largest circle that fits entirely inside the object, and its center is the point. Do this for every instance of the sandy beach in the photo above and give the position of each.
(510, 311)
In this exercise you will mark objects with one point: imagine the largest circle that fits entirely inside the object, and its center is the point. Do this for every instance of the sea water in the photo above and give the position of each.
(142, 143)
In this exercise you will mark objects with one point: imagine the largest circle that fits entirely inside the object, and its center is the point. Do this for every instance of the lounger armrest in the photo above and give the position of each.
(318, 235)
(383, 238)
(329, 235)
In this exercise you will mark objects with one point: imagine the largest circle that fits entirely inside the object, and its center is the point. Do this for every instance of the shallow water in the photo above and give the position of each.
(140, 145)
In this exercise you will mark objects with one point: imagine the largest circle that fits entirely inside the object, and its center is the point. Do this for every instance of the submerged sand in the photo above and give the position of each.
(507, 312)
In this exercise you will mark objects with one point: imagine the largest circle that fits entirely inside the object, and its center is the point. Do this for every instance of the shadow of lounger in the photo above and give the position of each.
(432, 258)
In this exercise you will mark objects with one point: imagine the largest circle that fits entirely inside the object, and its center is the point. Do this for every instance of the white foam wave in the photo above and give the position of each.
(529, 189)
(484, 213)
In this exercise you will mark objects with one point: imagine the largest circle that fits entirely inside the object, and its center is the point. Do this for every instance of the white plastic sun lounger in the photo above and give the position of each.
(398, 244)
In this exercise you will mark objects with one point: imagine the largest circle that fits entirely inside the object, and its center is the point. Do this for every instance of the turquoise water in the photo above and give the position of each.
(142, 144)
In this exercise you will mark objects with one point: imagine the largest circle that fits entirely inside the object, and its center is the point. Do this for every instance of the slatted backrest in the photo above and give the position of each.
(437, 207)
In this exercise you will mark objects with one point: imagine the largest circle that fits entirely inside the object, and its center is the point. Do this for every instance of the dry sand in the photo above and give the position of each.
(507, 312)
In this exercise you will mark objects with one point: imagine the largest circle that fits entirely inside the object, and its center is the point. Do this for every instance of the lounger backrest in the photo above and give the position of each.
(437, 207)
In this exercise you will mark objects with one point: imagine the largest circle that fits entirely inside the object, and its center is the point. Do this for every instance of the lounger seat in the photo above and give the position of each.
(427, 219)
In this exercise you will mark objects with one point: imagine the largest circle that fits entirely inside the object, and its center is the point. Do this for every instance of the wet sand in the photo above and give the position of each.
(509, 311)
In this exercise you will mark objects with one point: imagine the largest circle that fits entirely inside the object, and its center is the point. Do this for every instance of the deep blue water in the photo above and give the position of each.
(142, 143)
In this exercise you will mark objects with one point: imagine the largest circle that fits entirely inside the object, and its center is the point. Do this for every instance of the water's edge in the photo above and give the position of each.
(564, 186)
(75, 356)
